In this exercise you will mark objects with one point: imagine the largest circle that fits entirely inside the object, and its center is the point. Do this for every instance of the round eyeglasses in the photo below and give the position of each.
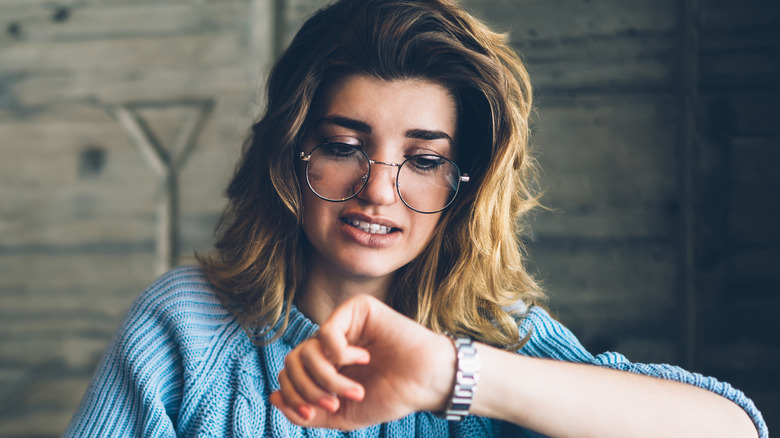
(426, 183)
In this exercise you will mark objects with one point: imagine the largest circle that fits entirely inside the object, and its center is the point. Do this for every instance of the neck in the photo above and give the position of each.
(324, 290)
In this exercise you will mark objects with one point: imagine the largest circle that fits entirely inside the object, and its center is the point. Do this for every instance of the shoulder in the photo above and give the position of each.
(170, 353)
(181, 295)
(548, 338)
(181, 284)
(181, 310)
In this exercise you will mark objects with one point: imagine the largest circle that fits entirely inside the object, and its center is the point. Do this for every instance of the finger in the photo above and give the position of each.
(342, 326)
(291, 413)
(312, 376)
(292, 399)
(354, 356)
(336, 350)
(329, 379)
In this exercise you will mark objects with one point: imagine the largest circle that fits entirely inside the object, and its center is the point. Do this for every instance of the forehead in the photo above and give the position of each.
(414, 103)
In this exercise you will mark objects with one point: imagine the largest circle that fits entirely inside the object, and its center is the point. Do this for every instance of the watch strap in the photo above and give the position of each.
(466, 378)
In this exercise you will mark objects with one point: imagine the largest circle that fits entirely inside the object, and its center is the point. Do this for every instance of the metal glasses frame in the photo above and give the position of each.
(462, 177)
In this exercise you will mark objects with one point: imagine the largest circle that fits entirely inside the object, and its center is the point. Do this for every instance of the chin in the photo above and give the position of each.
(367, 272)
(367, 267)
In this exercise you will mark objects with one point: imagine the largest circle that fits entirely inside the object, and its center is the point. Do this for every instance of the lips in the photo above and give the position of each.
(366, 224)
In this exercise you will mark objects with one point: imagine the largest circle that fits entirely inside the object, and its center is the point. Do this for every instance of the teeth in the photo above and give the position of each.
(369, 227)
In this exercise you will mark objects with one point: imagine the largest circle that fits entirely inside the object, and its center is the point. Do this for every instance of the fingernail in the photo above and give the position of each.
(330, 403)
(355, 393)
(305, 411)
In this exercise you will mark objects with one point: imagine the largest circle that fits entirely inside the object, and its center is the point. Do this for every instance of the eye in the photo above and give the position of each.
(426, 163)
(337, 150)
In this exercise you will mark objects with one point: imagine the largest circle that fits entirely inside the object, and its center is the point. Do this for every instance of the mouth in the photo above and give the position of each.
(368, 227)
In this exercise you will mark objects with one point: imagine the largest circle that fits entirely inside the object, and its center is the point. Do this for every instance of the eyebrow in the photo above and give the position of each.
(346, 122)
(427, 134)
(357, 125)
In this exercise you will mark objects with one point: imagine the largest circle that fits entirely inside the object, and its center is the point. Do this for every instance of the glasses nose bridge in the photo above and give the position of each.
(384, 163)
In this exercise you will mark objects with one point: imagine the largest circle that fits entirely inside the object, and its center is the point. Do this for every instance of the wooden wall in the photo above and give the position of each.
(737, 262)
(656, 129)
(80, 217)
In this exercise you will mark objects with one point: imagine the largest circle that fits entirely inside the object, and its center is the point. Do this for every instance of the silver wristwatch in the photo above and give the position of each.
(466, 378)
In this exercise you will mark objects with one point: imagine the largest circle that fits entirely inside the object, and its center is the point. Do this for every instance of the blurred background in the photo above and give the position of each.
(656, 127)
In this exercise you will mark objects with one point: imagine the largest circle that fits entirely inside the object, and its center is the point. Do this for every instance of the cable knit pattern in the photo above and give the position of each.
(181, 365)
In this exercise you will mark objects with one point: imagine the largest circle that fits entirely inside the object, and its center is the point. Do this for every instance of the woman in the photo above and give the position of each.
(376, 208)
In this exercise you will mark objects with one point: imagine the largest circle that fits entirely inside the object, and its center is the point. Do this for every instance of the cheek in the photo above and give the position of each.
(319, 216)
(426, 226)
(310, 207)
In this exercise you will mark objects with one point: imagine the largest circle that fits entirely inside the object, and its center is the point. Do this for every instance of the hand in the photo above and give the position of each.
(368, 364)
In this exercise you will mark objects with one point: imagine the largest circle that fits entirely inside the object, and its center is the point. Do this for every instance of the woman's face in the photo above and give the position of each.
(375, 233)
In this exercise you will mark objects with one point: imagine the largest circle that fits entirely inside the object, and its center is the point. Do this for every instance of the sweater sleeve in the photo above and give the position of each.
(550, 339)
(138, 386)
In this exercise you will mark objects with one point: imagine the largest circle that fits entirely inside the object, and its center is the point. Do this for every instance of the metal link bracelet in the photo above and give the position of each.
(466, 378)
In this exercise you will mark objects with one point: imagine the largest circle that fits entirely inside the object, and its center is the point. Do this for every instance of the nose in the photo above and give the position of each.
(380, 187)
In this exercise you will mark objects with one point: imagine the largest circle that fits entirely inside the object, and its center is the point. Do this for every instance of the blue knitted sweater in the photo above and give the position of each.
(181, 365)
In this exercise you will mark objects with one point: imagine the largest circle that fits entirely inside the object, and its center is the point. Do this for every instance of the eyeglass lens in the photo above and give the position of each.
(425, 183)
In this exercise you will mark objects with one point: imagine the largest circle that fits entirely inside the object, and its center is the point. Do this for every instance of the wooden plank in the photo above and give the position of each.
(63, 137)
(123, 20)
(23, 5)
(124, 54)
(608, 166)
(47, 201)
(543, 20)
(739, 70)
(608, 274)
(51, 200)
(63, 393)
(613, 294)
(753, 115)
(758, 286)
(103, 220)
(66, 130)
(49, 272)
(739, 44)
(609, 69)
(753, 197)
(752, 164)
(688, 95)
(36, 424)
(755, 357)
(45, 408)
(72, 351)
(641, 349)
(65, 307)
(752, 37)
(53, 203)
(132, 83)
(77, 216)
(594, 45)
(728, 16)
(66, 119)
(292, 14)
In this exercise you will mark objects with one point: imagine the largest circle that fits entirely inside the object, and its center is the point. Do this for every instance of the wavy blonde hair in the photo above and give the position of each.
(472, 270)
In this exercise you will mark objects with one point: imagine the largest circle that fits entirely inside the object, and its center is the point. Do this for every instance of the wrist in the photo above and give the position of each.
(443, 373)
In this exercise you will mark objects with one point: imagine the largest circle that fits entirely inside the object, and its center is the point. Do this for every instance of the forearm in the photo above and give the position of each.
(562, 399)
